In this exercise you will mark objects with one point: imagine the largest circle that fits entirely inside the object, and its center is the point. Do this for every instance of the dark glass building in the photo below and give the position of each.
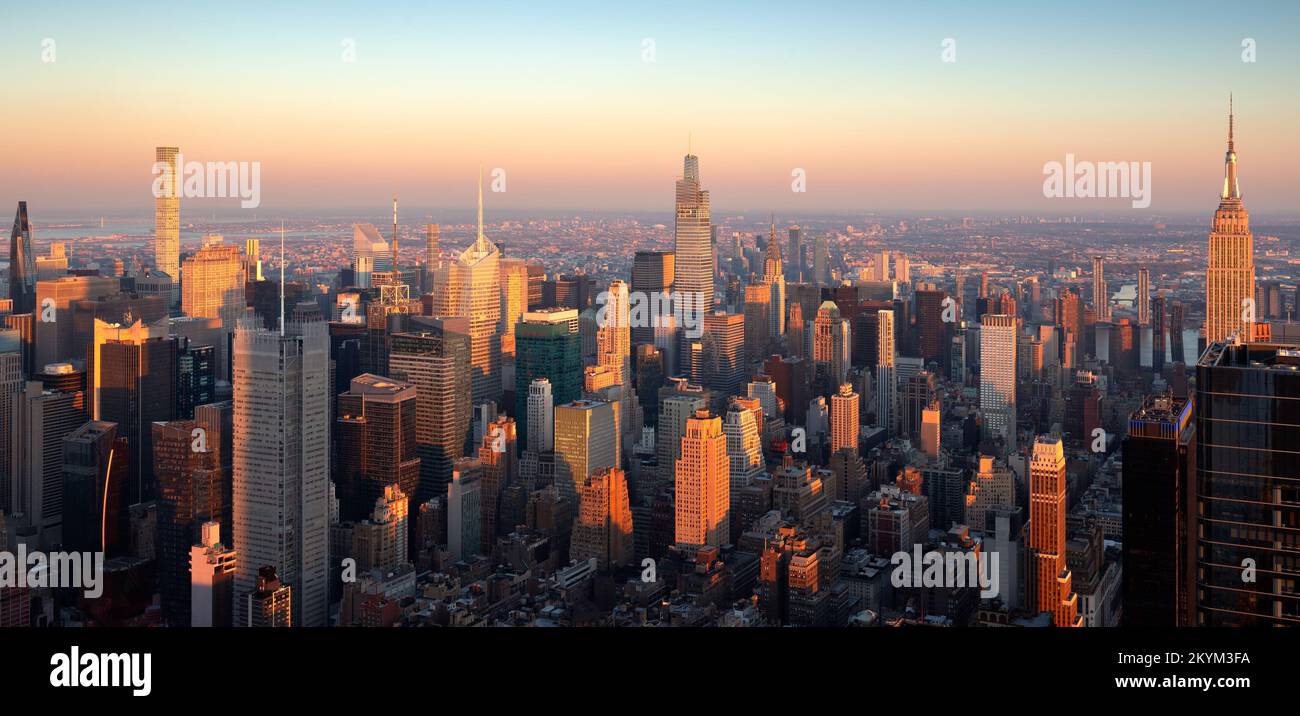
(1158, 504)
(1248, 485)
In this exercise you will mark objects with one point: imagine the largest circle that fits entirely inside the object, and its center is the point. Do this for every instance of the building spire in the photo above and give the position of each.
(1230, 148)
(1231, 189)
(394, 239)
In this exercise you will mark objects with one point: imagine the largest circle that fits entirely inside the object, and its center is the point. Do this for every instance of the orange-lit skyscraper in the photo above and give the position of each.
(1230, 278)
(703, 484)
(844, 418)
(603, 529)
(470, 286)
(167, 216)
(214, 283)
(1053, 590)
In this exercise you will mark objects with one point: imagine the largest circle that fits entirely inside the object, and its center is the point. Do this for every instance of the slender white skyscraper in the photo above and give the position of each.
(694, 269)
(998, 376)
(167, 217)
(281, 463)
(541, 416)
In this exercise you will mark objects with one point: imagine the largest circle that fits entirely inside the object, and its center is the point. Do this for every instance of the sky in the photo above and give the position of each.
(589, 106)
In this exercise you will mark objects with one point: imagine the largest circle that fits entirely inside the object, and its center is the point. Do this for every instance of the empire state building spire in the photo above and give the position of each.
(1231, 190)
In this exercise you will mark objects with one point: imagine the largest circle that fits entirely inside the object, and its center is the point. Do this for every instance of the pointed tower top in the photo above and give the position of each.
(1230, 122)
(1231, 188)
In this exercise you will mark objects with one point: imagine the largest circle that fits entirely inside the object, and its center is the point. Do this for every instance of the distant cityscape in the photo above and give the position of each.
(675, 420)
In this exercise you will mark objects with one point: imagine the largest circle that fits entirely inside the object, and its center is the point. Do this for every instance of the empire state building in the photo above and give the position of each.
(1230, 279)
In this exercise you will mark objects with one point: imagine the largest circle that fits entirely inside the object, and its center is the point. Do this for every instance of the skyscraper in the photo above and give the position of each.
(998, 376)
(548, 345)
(603, 528)
(652, 273)
(94, 487)
(133, 383)
(844, 419)
(1230, 277)
(541, 415)
(744, 430)
(214, 283)
(432, 253)
(1053, 591)
(722, 366)
(190, 493)
(435, 358)
(886, 382)
(22, 263)
(47, 417)
(586, 440)
(1246, 458)
(1143, 299)
(703, 495)
(465, 509)
(774, 277)
(1159, 500)
(167, 217)
(376, 443)
(1100, 294)
(831, 345)
(470, 287)
(281, 463)
(692, 239)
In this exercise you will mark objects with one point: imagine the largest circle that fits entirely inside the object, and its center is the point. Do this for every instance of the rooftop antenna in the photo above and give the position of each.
(282, 277)
(394, 237)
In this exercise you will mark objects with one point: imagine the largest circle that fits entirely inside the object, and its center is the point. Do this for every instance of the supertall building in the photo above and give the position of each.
(281, 463)
(1053, 591)
(692, 239)
(1230, 278)
(469, 286)
(167, 217)
(22, 263)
